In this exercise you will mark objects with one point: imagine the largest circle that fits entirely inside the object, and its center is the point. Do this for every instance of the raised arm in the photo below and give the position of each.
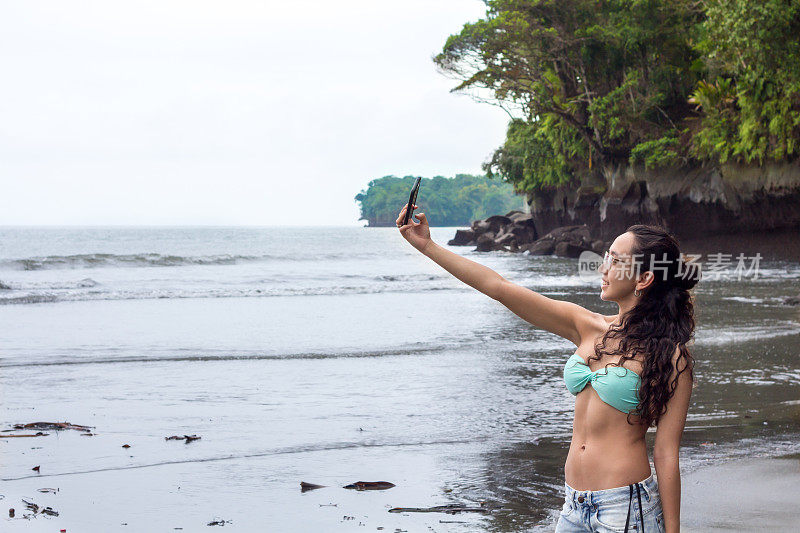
(477, 276)
(565, 319)
(474, 274)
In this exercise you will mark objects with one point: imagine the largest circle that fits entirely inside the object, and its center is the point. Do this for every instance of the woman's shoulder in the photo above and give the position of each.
(593, 327)
(599, 324)
(608, 320)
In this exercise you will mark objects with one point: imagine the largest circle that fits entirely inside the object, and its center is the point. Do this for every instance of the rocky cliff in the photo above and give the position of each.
(728, 209)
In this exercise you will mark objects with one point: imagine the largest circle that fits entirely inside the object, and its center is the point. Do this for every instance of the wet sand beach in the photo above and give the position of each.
(751, 494)
(757, 494)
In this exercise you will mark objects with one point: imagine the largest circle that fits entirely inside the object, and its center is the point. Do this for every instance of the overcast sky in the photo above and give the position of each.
(227, 112)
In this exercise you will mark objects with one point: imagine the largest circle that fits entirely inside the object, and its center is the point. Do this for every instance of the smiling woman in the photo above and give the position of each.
(645, 275)
(643, 374)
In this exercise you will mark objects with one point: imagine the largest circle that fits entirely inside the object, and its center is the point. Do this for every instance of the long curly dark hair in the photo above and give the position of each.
(662, 319)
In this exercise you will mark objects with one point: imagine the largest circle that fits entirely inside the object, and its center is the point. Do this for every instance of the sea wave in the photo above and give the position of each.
(81, 261)
(31, 297)
(741, 333)
(85, 283)
(210, 356)
(124, 260)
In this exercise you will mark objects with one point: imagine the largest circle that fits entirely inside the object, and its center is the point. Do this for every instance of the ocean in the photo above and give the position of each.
(328, 355)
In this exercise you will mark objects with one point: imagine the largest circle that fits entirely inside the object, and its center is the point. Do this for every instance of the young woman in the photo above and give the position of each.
(630, 371)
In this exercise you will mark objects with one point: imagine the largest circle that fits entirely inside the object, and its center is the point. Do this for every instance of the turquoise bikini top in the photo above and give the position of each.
(616, 385)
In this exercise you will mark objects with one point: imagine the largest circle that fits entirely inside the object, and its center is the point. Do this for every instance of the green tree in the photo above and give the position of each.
(751, 97)
(593, 82)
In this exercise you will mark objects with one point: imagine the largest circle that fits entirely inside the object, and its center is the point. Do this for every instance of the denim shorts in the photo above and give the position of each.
(606, 510)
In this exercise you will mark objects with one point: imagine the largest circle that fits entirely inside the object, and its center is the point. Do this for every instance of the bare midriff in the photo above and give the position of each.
(606, 451)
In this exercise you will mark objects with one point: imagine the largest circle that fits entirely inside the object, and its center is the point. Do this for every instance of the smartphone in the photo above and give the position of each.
(412, 200)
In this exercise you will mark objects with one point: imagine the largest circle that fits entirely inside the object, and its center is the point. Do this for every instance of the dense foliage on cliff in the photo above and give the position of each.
(445, 201)
(660, 82)
(750, 95)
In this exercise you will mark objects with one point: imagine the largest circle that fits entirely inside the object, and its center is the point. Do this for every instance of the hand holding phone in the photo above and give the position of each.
(412, 200)
(418, 234)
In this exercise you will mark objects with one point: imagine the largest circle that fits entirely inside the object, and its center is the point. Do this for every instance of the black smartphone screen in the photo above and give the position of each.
(412, 199)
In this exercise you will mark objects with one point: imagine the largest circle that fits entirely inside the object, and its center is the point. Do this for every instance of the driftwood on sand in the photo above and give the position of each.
(37, 510)
(37, 434)
(358, 485)
(452, 508)
(309, 486)
(187, 438)
(370, 485)
(52, 426)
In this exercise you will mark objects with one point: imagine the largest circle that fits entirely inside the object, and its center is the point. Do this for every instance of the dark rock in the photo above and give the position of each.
(505, 238)
(486, 243)
(575, 234)
(497, 232)
(511, 232)
(568, 249)
(540, 247)
(566, 241)
(496, 222)
(521, 218)
(524, 234)
(479, 226)
(464, 237)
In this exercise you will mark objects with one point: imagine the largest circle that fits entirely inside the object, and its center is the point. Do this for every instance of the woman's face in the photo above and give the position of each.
(617, 272)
